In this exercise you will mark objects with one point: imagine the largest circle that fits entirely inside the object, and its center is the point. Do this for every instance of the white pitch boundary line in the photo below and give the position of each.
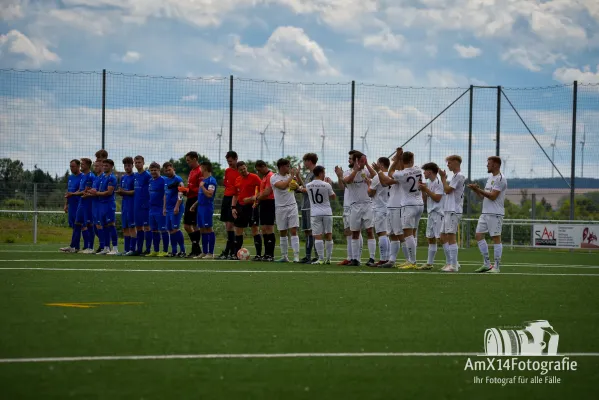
(224, 271)
(263, 356)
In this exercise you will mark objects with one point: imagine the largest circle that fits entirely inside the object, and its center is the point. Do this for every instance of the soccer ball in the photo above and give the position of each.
(243, 254)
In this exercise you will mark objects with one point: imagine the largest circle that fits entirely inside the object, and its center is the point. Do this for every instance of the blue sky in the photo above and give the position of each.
(420, 43)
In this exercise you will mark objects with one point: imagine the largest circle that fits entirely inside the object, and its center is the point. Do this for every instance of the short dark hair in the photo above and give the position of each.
(138, 157)
(384, 161)
(102, 154)
(109, 161)
(407, 157)
(167, 165)
(207, 164)
(240, 164)
(154, 165)
(231, 154)
(351, 152)
(87, 161)
(76, 162)
(495, 159)
(193, 155)
(431, 166)
(454, 157)
(319, 169)
(260, 164)
(281, 162)
(128, 160)
(312, 157)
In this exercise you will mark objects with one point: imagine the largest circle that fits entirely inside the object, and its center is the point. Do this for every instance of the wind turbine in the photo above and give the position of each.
(364, 144)
(430, 143)
(283, 132)
(584, 136)
(553, 155)
(220, 136)
(323, 136)
(263, 141)
(505, 160)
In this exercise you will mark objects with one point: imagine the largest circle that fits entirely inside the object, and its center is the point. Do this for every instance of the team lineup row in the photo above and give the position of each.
(384, 199)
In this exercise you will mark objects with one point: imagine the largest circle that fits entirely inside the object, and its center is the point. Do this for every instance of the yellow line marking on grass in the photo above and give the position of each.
(92, 304)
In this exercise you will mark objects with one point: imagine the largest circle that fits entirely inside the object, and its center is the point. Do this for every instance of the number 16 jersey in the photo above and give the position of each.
(319, 191)
(408, 180)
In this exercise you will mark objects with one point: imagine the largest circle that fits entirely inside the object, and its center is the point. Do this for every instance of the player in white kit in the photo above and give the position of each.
(346, 208)
(361, 216)
(453, 206)
(491, 219)
(286, 214)
(433, 193)
(380, 196)
(320, 192)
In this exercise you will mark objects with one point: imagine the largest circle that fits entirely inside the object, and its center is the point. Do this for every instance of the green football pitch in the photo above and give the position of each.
(87, 326)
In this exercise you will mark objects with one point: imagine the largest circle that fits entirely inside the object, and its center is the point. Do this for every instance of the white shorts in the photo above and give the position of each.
(410, 216)
(451, 222)
(434, 225)
(394, 221)
(322, 224)
(346, 217)
(381, 221)
(287, 217)
(360, 216)
(490, 223)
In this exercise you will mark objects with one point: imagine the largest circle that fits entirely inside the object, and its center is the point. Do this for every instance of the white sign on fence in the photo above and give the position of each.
(566, 236)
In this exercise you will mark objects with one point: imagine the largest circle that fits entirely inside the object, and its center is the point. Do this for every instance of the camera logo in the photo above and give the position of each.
(537, 338)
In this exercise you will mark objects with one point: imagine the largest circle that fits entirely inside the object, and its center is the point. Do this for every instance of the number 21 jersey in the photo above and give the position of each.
(319, 192)
(408, 180)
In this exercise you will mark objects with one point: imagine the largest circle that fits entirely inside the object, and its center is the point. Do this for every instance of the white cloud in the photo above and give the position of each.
(467, 51)
(531, 58)
(384, 40)
(31, 53)
(568, 75)
(131, 57)
(10, 10)
(191, 97)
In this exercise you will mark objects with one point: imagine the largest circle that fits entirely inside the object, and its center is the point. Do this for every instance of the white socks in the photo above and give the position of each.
(372, 248)
(284, 244)
(484, 250)
(295, 245)
(393, 250)
(497, 252)
(432, 251)
(446, 251)
(349, 248)
(329, 244)
(411, 247)
(384, 247)
(319, 244)
(356, 249)
(453, 254)
(404, 248)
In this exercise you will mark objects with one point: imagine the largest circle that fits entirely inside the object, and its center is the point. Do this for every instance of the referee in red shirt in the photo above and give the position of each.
(226, 216)
(190, 217)
(242, 207)
(266, 205)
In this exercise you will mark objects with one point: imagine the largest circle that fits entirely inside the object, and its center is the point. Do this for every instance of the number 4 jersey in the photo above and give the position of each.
(408, 180)
(319, 193)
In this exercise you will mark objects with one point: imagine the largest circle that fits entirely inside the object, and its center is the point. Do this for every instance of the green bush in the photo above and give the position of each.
(13, 204)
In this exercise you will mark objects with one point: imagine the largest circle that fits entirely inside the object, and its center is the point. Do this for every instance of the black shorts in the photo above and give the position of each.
(267, 212)
(246, 216)
(225, 209)
(190, 217)
(306, 220)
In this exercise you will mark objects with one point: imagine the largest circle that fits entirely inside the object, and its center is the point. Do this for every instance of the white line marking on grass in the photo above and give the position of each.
(244, 271)
(258, 355)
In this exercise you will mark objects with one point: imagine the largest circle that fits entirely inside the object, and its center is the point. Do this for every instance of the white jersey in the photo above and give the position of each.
(496, 207)
(283, 197)
(346, 193)
(319, 193)
(436, 187)
(394, 193)
(382, 194)
(358, 189)
(454, 201)
(408, 180)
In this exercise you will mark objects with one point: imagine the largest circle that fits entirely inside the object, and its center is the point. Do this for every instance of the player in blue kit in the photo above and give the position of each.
(205, 206)
(71, 203)
(107, 210)
(173, 203)
(127, 191)
(84, 211)
(158, 212)
(91, 194)
(141, 206)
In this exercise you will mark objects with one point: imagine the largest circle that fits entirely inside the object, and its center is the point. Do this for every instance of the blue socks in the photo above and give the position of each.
(181, 240)
(127, 243)
(140, 241)
(114, 236)
(149, 237)
(174, 242)
(156, 240)
(76, 237)
(165, 241)
(101, 237)
(212, 242)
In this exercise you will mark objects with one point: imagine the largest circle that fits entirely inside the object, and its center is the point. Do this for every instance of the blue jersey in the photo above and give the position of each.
(73, 186)
(172, 193)
(128, 183)
(157, 193)
(86, 182)
(108, 201)
(96, 185)
(142, 194)
(210, 184)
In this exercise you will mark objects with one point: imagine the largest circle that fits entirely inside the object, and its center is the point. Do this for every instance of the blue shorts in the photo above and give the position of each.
(157, 221)
(173, 221)
(205, 214)
(72, 213)
(127, 218)
(106, 215)
(142, 216)
(84, 214)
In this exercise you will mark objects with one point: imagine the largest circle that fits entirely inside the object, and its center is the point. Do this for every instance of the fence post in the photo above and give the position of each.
(573, 161)
(35, 213)
(230, 114)
(533, 216)
(469, 198)
(498, 129)
(103, 108)
(353, 98)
